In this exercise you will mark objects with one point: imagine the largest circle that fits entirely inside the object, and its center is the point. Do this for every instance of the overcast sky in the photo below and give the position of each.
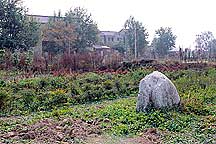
(186, 17)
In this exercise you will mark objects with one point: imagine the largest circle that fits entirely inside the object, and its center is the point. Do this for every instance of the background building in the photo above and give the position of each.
(111, 38)
(39, 18)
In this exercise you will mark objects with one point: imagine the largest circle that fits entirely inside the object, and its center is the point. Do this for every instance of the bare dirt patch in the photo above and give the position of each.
(50, 131)
(149, 136)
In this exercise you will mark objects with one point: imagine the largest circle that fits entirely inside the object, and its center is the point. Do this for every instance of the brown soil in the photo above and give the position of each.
(69, 131)
(50, 131)
(149, 136)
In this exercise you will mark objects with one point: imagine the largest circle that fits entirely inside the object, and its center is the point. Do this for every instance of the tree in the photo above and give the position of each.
(164, 41)
(203, 40)
(16, 32)
(85, 28)
(58, 36)
(119, 47)
(212, 51)
(136, 36)
(30, 34)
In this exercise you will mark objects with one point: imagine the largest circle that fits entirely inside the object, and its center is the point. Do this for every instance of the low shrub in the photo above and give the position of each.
(4, 97)
(196, 89)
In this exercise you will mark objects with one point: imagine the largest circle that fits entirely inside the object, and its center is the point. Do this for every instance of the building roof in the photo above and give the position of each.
(123, 30)
(101, 47)
(174, 50)
(41, 18)
(38, 15)
(112, 33)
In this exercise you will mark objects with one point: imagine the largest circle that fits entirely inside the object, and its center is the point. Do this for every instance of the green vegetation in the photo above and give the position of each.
(16, 31)
(164, 41)
(110, 100)
(77, 31)
(46, 93)
(136, 34)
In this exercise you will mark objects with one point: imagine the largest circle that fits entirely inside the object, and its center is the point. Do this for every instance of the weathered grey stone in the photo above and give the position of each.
(157, 91)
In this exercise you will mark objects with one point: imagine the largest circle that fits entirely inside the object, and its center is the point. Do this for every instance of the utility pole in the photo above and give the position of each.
(135, 43)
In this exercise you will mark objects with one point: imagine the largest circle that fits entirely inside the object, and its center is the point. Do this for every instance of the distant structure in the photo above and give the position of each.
(107, 54)
(42, 19)
(112, 38)
(174, 54)
(107, 39)
(39, 18)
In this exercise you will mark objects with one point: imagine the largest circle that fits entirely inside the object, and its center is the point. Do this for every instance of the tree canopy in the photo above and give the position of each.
(203, 40)
(164, 41)
(86, 29)
(16, 32)
(58, 36)
(135, 33)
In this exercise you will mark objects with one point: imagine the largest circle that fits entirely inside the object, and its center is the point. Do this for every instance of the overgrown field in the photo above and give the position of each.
(47, 109)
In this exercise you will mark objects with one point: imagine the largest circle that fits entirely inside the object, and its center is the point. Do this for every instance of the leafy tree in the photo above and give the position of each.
(212, 51)
(2, 55)
(16, 32)
(203, 40)
(58, 36)
(164, 41)
(85, 28)
(206, 42)
(30, 34)
(135, 31)
(119, 47)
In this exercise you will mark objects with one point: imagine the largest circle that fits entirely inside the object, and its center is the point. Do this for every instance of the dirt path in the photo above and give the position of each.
(50, 131)
(150, 136)
(69, 131)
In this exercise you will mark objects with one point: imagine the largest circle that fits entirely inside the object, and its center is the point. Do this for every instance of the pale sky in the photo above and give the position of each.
(186, 17)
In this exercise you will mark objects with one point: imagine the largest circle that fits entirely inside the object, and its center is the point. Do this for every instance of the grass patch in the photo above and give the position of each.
(110, 101)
